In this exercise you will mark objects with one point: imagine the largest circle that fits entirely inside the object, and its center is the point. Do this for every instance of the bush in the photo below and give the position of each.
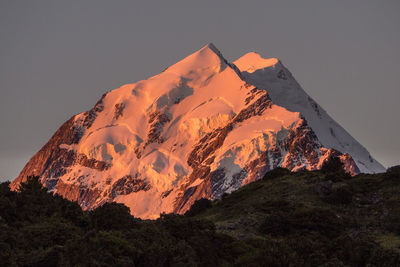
(332, 165)
(384, 258)
(268, 253)
(112, 216)
(393, 172)
(276, 173)
(354, 251)
(199, 206)
(318, 220)
(392, 221)
(275, 225)
(339, 196)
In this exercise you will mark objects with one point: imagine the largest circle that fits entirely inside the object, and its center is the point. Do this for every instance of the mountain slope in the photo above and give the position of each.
(284, 91)
(201, 128)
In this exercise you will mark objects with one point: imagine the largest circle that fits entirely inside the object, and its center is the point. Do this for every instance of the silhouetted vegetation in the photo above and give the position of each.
(333, 165)
(285, 219)
(199, 206)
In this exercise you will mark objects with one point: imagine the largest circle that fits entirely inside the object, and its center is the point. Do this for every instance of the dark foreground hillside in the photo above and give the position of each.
(321, 218)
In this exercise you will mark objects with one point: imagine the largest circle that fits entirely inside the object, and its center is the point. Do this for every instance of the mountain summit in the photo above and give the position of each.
(200, 128)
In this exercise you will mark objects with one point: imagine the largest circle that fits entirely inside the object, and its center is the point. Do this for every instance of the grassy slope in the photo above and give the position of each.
(329, 210)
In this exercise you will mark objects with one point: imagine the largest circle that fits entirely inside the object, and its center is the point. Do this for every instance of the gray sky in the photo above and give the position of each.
(58, 57)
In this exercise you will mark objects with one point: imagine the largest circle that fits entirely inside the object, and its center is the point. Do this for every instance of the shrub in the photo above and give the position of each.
(199, 206)
(275, 225)
(276, 173)
(393, 172)
(112, 216)
(392, 221)
(332, 165)
(339, 196)
(318, 220)
(268, 253)
(31, 186)
(354, 251)
(385, 258)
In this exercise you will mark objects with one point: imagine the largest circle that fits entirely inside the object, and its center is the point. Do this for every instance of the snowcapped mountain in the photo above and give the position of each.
(200, 128)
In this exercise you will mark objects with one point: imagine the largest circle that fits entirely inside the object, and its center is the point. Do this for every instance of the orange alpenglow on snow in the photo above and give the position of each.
(201, 128)
(253, 61)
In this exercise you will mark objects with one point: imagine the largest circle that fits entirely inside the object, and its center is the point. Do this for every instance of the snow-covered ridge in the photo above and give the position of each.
(286, 92)
(252, 62)
(200, 128)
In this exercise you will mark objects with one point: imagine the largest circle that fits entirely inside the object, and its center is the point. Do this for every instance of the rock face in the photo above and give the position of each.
(201, 128)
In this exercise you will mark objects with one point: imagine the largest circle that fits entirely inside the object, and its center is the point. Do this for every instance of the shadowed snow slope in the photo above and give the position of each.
(201, 128)
(271, 75)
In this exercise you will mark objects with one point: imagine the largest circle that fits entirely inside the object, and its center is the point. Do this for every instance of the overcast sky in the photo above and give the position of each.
(58, 57)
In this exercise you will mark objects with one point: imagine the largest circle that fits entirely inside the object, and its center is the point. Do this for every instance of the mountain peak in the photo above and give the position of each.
(213, 48)
(253, 61)
(208, 57)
